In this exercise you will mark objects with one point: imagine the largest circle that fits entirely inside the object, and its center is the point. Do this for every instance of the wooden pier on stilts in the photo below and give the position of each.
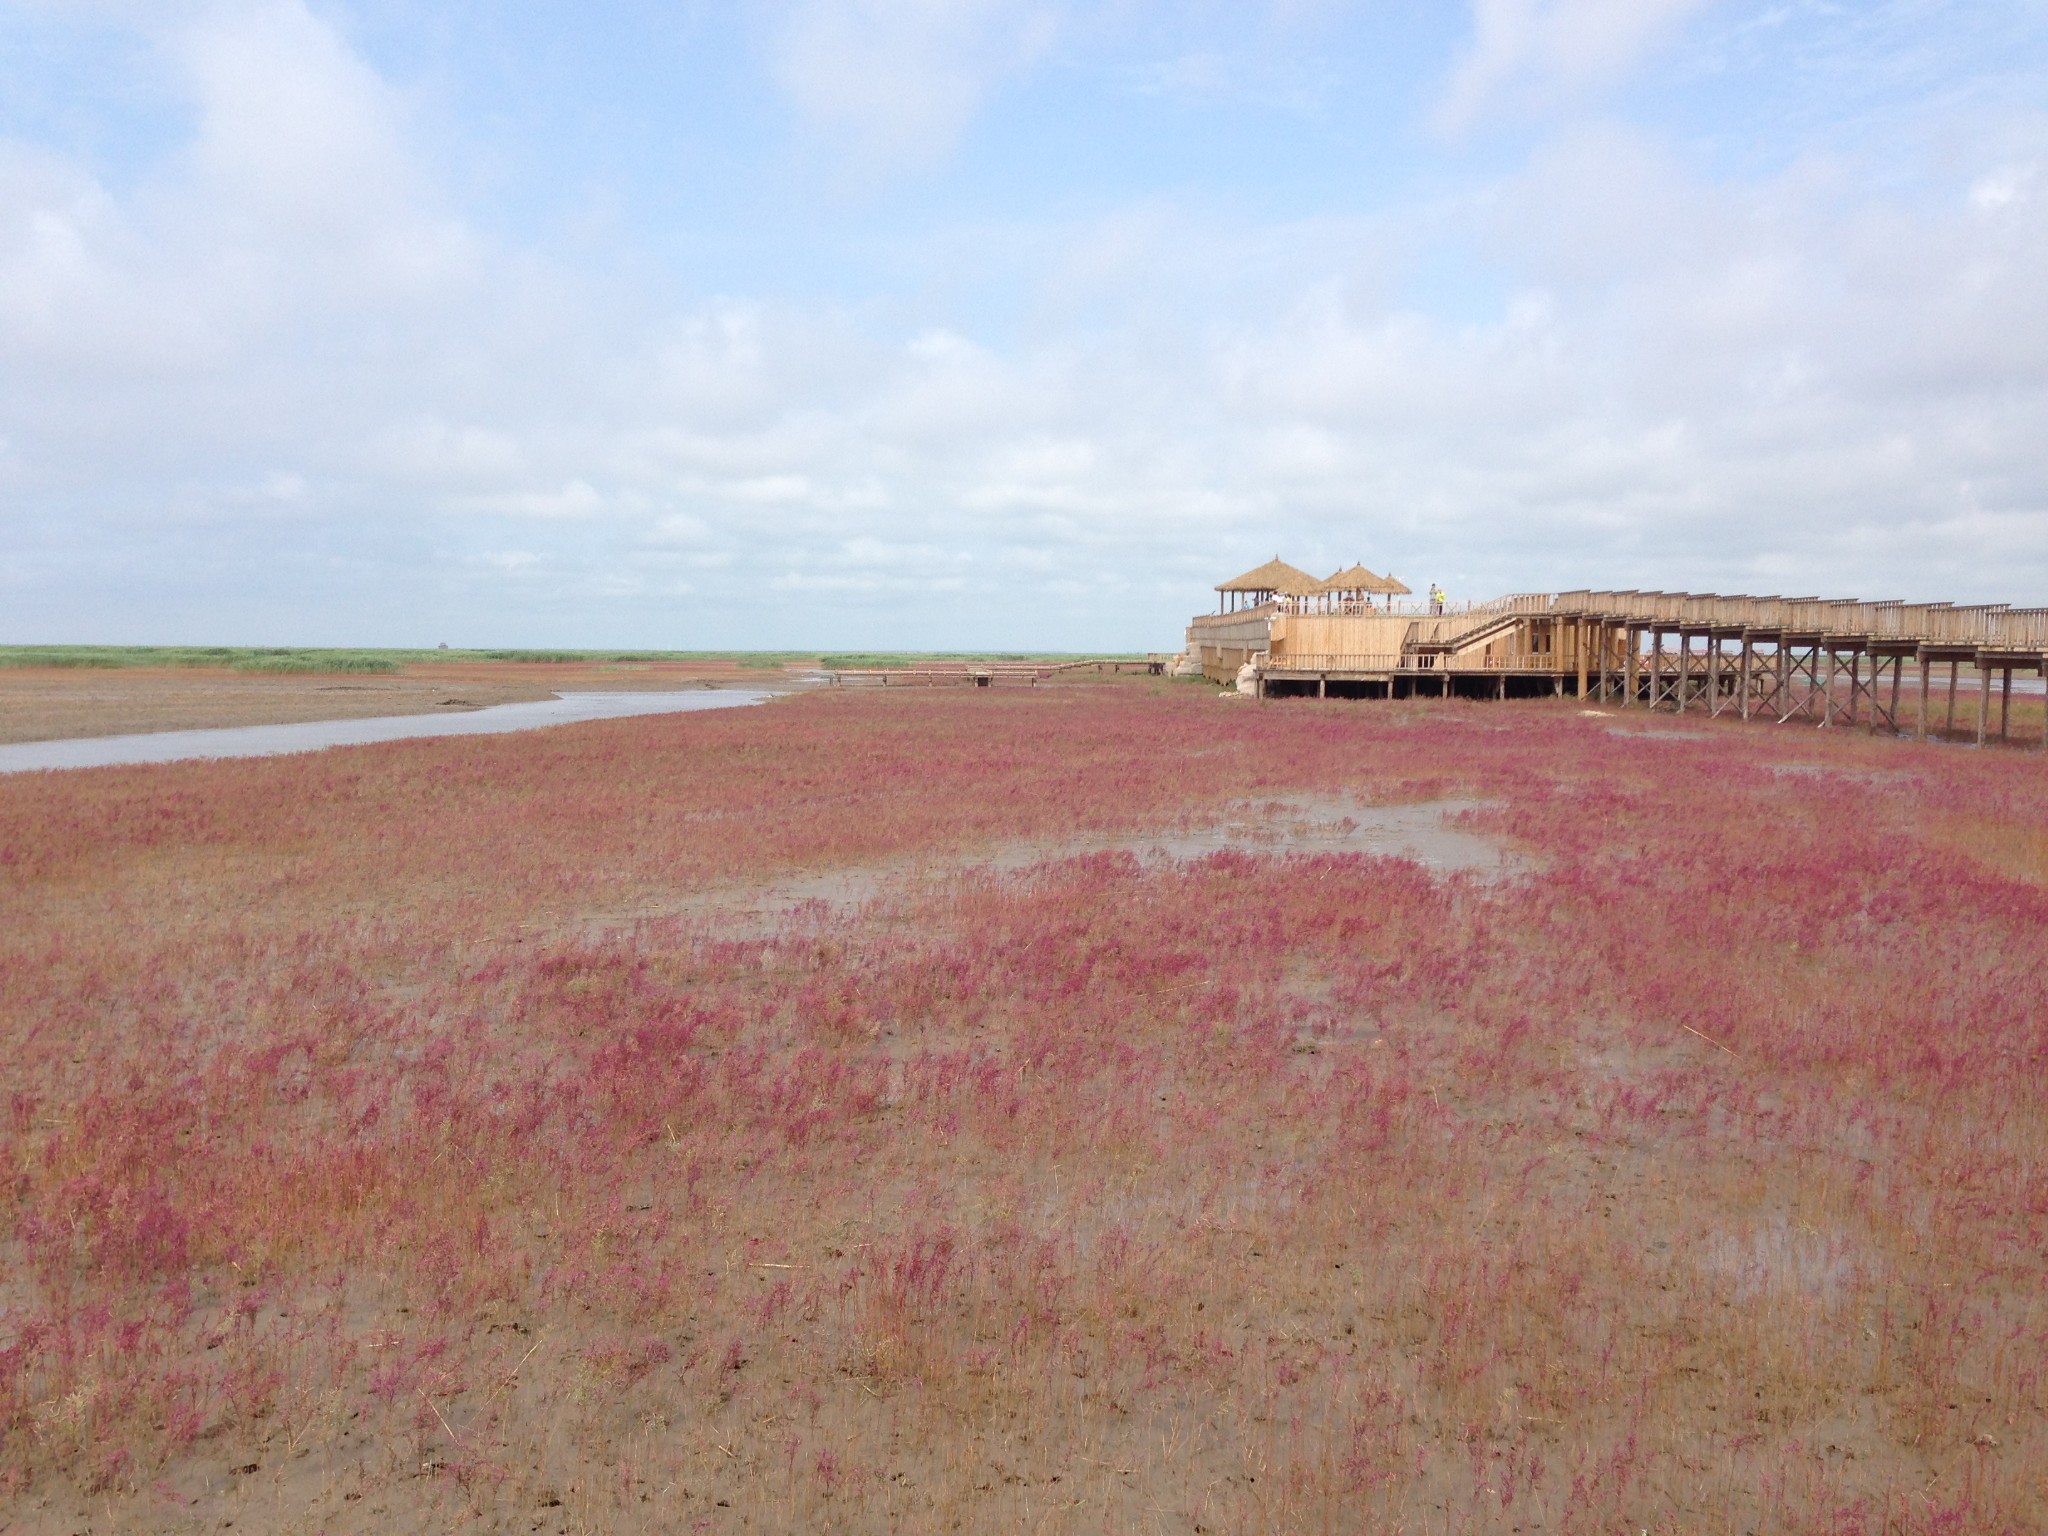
(1893, 667)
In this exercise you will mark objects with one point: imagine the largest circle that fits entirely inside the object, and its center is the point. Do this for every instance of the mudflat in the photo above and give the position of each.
(1087, 1108)
(58, 703)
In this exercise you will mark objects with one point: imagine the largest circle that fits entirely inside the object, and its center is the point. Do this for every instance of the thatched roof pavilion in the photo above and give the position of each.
(1360, 582)
(1262, 583)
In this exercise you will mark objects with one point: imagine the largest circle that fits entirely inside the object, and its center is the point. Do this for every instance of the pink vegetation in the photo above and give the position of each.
(416, 1134)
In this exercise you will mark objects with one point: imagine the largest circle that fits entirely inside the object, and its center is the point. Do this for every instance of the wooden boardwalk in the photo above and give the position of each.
(1799, 659)
(972, 674)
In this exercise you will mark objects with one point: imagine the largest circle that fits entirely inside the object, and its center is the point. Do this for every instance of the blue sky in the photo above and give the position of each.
(1002, 322)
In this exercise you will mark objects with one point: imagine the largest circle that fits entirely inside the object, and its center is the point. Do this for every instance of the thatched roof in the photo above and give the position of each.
(1394, 588)
(1359, 579)
(1276, 575)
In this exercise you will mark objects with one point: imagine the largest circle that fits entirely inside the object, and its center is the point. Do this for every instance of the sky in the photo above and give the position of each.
(943, 324)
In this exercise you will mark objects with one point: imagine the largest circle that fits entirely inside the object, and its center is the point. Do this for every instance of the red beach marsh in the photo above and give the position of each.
(827, 1116)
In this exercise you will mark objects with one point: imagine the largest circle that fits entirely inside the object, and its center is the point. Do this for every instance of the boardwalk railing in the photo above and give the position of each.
(1889, 624)
(987, 674)
(1985, 626)
(1404, 661)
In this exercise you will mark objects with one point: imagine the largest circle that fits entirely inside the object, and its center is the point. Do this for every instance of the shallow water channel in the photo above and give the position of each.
(313, 735)
(1425, 831)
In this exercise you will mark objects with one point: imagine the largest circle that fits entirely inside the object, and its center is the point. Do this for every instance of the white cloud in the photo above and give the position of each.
(2002, 188)
(1546, 49)
(896, 82)
(576, 499)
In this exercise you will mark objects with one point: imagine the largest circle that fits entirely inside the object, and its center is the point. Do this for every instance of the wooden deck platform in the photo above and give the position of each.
(1811, 660)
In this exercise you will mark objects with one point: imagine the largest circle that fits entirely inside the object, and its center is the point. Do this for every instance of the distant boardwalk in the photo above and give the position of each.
(1784, 659)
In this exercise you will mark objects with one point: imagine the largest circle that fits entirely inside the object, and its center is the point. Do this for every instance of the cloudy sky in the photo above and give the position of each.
(1016, 323)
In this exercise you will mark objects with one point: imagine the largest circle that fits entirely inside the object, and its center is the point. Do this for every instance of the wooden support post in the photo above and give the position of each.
(1983, 698)
(1500, 686)
(1713, 674)
(1920, 728)
(1955, 667)
(2005, 707)
(1748, 670)
(1579, 645)
(1323, 687)
(1898, 666)
(1824, 660)
(1656, 664)
(1628, 665)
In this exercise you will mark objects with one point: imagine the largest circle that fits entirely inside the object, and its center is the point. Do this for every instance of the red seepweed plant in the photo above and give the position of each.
(832, 1117)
